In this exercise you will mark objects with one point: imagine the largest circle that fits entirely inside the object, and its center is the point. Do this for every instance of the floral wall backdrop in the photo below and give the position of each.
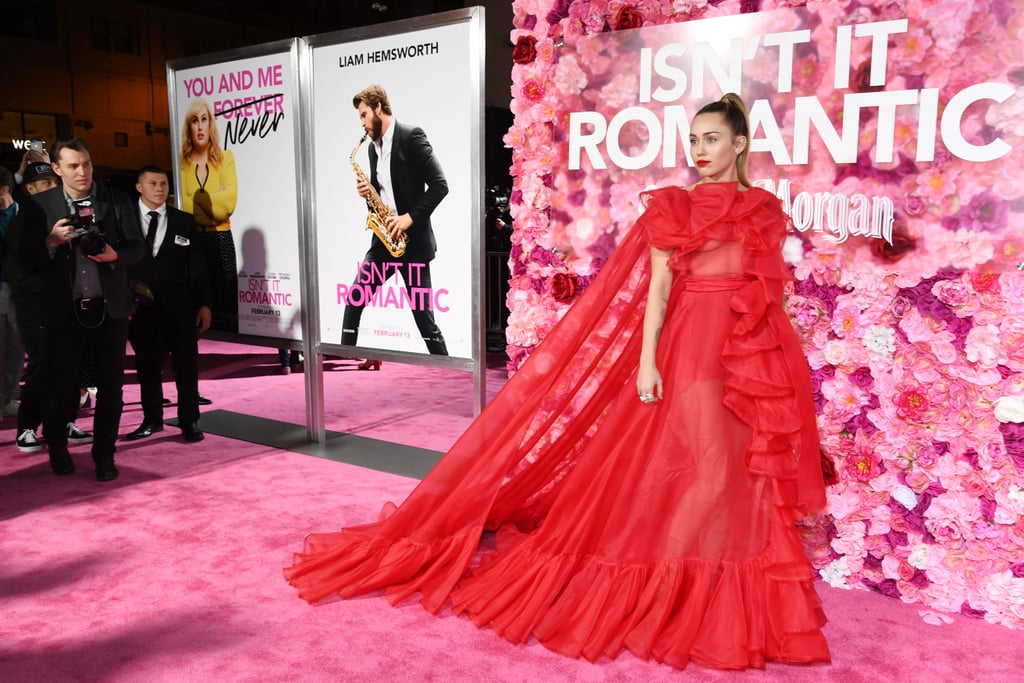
(914, 334)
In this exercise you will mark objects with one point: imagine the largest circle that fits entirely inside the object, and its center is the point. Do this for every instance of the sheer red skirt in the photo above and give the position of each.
(664, 529)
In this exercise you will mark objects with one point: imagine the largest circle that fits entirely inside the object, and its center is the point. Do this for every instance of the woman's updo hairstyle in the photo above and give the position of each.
(734, 112)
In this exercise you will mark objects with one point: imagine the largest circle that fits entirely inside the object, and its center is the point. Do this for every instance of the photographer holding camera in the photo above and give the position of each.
(82, 238)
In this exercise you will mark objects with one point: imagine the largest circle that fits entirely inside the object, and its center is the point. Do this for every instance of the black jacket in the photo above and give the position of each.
(114, 211)
(177, 275)
(419, 186)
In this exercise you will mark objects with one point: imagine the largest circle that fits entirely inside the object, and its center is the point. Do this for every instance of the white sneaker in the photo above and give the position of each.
(27, 441)
(76, 435)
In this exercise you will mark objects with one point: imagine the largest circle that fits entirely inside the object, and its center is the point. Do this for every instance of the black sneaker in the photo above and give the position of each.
(76, 435)
(28, 442)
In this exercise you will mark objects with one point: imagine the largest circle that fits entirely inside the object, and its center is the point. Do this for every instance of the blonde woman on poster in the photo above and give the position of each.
(209, 191)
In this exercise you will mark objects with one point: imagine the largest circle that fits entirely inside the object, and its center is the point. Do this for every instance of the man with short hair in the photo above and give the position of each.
(27, 294)
(82, 237)
(174, 271)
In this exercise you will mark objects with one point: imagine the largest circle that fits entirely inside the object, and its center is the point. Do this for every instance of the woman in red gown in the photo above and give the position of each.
(644, 469)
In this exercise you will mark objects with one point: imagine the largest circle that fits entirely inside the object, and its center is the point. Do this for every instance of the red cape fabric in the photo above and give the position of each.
(665, 529)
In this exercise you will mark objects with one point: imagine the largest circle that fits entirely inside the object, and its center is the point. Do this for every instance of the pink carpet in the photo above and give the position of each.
(173, 572)
(407, 404)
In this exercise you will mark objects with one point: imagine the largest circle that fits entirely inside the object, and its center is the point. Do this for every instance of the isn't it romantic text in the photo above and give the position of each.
(369, 288)
(264, 291)
(651, 131)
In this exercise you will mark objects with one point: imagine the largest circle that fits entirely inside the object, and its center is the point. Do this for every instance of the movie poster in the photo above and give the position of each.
(235, 132)
(419, 302)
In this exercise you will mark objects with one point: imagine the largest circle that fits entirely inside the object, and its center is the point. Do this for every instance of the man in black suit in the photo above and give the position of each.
(27, 295)
(174, 271)
(408, 178)
(86, 297)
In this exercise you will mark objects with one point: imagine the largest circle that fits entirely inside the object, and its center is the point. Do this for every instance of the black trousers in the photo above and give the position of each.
(423, 316)
(32, 329)
(155, 331)
(28, 313)
(66, 339)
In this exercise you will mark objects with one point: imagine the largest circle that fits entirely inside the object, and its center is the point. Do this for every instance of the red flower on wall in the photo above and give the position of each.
(902, 243)
(564, 287)
(525, 50)
(828, 469)
(862, 79)
(985, 282)
(626, 18)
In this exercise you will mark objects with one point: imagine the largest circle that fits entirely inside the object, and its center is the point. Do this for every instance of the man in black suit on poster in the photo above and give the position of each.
(86, 297)
(174, 311)
(408, 178)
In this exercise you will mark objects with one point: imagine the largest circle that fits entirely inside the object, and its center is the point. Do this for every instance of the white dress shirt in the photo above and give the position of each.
(387, 191)
(161, 226)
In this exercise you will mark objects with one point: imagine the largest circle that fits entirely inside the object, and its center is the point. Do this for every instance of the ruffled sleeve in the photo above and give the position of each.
(666, 217)
(684, 220)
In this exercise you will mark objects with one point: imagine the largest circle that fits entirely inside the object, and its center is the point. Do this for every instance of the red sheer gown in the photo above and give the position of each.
(664, 529)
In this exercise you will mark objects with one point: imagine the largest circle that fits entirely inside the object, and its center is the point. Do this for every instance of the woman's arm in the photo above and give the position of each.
(189, 185)
(224, 192)
(648, 379)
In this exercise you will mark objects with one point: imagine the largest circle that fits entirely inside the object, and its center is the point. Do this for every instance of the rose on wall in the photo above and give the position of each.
(626, 18)
(902, 242)
(916, 346)
(564, 287)
(525, 50)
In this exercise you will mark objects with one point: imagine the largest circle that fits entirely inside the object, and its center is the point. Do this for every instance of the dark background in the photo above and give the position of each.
(98, 69)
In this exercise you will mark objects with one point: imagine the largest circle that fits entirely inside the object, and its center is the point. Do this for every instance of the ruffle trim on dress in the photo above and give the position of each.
(674, 611)
(347, 567)
(683, 220)
(759, 389)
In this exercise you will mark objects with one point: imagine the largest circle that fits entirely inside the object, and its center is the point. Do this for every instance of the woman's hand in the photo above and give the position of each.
(648, 384)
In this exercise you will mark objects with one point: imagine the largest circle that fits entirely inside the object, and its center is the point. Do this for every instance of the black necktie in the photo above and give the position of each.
(154, 219)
